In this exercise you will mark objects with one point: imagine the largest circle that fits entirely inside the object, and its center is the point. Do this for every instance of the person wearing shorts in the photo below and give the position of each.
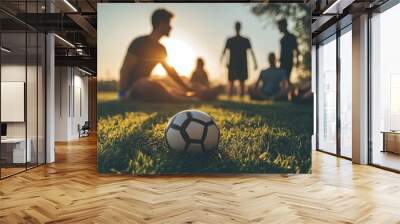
(237, 66)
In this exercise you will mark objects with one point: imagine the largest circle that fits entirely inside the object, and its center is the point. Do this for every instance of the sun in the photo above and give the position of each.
(180, 56)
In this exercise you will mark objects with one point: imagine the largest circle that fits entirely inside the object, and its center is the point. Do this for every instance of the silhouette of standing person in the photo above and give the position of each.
(288, 46)
(237, 66)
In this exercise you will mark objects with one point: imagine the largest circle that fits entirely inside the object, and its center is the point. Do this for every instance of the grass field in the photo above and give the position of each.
(256, 137)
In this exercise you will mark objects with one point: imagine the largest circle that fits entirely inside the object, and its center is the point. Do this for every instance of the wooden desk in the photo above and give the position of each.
(391, 141)
(13, 150)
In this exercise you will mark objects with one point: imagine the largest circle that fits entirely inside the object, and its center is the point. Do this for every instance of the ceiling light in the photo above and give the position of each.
(5, 50)
(79, 51)
(65, 41)
(70, 5)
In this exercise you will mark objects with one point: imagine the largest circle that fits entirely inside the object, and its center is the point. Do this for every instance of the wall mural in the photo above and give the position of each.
(204, 88)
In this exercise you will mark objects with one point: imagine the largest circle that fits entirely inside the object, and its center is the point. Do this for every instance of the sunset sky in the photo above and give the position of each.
(199, 30)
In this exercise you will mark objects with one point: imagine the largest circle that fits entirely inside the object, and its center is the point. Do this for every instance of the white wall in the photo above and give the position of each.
(71, 103)
(62, 82)
(33, 126)
(80, 110)
(16, 73)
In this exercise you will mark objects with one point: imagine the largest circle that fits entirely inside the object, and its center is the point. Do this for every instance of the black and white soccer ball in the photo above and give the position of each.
(192, 131)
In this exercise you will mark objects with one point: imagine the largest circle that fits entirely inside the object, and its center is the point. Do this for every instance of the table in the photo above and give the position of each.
(391, 141)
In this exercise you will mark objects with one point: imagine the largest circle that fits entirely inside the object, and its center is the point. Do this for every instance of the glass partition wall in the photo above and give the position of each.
(22, 98)
(327, 95)
(385, 89)
(334, 94)
(13, 86)
(345, 92)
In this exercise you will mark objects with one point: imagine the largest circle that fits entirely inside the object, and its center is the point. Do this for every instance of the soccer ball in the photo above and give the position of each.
(192, 131)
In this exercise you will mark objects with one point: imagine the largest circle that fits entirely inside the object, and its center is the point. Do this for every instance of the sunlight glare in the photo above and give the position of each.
(180, 56)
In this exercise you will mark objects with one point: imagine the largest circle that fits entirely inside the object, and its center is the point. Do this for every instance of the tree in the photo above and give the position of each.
(299, 16)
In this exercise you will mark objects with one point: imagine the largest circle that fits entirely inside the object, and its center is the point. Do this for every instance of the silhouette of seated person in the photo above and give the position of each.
(199, 79)
(274, 83)
(201, 85)
(142, 56)
(302, 94)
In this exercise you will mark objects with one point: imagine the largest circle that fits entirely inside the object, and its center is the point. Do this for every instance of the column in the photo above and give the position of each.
(360, 90)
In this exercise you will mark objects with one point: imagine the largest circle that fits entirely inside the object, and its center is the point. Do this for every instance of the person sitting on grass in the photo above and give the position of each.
(144, 53)
(302, 94)
(199, 77)
(274, 82)
(201, 85)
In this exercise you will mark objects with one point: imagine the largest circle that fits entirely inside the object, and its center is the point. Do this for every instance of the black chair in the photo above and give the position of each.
(84, 130)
